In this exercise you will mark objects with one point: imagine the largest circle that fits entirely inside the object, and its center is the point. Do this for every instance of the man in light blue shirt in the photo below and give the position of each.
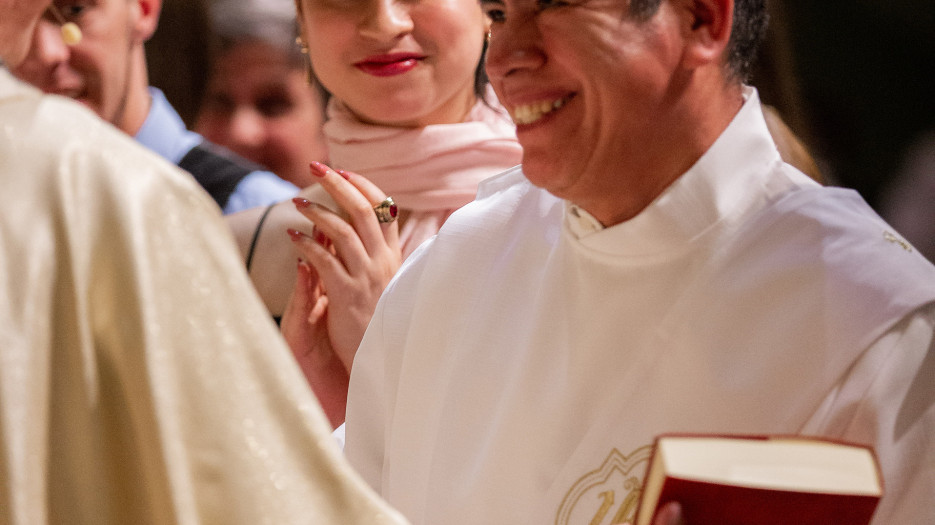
(106, 70)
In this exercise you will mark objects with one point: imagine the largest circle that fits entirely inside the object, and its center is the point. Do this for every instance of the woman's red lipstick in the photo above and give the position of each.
(389, 65)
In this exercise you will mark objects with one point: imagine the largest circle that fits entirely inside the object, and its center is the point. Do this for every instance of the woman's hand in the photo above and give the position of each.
(305, 328)
(343, 270)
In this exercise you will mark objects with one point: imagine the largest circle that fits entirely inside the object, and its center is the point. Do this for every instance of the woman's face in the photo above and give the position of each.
(259, 105)
(405, 63)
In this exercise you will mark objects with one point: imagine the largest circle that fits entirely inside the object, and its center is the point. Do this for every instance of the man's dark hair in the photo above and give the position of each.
(747, 32)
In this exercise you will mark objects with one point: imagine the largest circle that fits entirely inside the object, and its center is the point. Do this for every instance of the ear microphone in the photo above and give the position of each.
(71, 33)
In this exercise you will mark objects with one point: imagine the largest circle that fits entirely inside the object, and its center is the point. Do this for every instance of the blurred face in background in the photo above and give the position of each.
(258, 103)
(405, 63)
(18, 20)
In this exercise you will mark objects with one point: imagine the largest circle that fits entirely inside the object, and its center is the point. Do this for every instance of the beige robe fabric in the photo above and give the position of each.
(141, 380)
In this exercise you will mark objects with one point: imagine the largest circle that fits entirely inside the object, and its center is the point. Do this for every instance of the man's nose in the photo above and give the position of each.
(49, 46)
(514, 45)
(246, 128)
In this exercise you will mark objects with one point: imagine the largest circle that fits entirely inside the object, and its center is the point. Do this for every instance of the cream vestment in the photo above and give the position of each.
(519, 366)
(141, 380)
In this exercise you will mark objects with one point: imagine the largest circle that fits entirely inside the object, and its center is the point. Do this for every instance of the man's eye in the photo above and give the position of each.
(546, 4)
(495, 14)
(274, 106)
(72, 10)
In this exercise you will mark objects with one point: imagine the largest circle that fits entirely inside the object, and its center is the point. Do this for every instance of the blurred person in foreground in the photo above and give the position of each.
(652, 267)
(142, 381)
(107, 71)
(261, 101)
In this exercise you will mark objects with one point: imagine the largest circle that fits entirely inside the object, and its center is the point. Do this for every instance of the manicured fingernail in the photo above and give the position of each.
(295, 234)
(301, 203)
(318, 169)
(319, 236)
(346, 175)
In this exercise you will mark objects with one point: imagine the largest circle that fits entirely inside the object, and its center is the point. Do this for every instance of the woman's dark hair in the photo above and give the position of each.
(480, 75)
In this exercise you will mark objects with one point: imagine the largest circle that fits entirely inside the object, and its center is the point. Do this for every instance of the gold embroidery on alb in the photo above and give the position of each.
(607, 495)
(891, 237)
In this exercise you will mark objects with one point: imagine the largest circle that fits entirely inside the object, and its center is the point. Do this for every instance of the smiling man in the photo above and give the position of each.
(652, 267)
(106, 71)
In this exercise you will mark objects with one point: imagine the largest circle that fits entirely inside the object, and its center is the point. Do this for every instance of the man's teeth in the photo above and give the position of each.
(529, 113)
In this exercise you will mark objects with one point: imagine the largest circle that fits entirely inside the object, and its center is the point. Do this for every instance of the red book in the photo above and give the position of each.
(779, 480)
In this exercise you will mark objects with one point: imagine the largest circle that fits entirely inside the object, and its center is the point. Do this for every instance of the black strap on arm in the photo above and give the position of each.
(256, 235)
(217, 170)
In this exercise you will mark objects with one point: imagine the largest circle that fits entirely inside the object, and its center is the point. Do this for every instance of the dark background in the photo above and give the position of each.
(855, 79)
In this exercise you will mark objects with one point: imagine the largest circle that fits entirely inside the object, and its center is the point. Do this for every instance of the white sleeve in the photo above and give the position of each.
(367, 403)
(375, 376)
(887, 400)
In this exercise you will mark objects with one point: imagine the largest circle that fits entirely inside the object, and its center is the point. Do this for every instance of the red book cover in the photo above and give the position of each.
(761, 480)
(705, 503)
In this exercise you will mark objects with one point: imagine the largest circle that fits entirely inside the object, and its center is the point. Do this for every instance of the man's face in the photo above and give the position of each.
(17, 21)
(588, 85)
(96, 71)
(258, 103)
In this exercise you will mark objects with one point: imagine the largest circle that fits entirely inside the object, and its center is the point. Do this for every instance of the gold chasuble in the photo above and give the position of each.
(141, 380)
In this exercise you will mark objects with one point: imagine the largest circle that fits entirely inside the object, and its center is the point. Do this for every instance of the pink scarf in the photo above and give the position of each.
(430, 171)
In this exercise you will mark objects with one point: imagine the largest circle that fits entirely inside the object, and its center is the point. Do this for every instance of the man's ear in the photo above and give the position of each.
(708, 30)
(145, 18)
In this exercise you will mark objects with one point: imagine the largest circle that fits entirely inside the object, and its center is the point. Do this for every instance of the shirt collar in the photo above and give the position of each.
(164, 132)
